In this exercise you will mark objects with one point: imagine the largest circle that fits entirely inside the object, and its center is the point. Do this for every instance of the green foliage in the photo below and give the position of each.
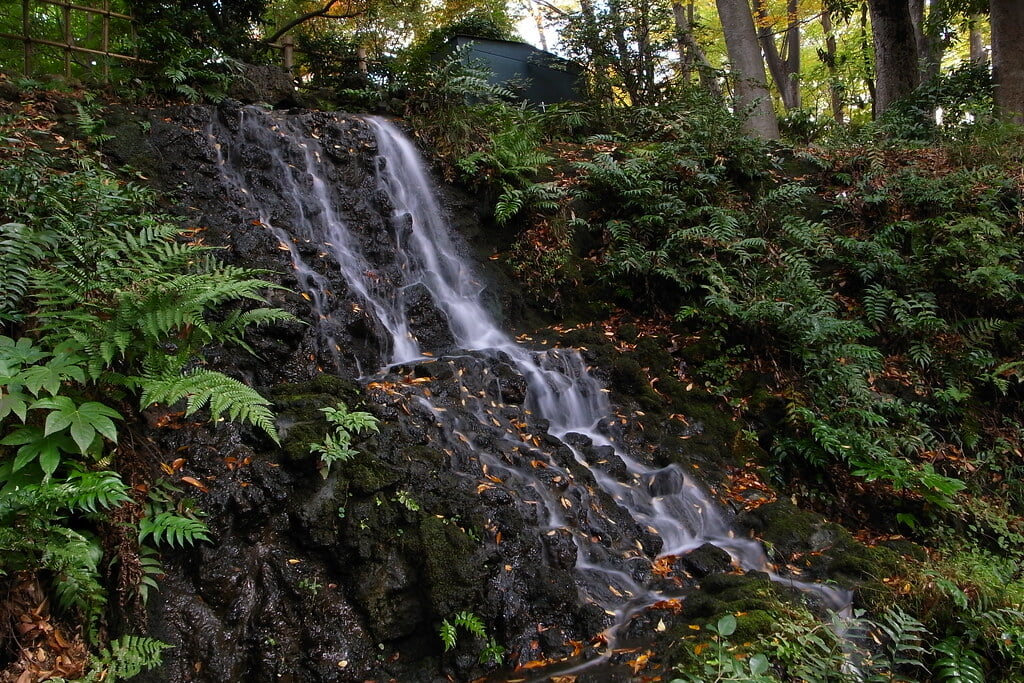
(337, 446)
(118, 297)
(806, 648)
(125, 658)
(881, 357)
(964, 96)
(902, 650)
(958, 665)
(36, 534)
(420, 58)
(222, 394)
(510, 160)
(192, 54)
(491, 652)
(20, 248)
(722, 662)
(105, 303)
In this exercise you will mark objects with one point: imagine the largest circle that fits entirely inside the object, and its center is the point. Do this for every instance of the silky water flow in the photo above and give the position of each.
(664, 511)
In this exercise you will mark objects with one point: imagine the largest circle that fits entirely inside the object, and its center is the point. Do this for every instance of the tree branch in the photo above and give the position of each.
(322, 12)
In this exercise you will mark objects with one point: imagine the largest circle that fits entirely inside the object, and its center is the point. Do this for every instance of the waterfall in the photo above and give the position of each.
(620, 513)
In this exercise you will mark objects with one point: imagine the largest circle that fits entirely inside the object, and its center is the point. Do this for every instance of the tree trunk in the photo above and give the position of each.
(1007, 18)
(691, 56)
(598, 56)
(896, 72)
(929, 45)
(867, 56)
(793, 52)
(752, 96)
(978, 53)
(785, 66)
(829, 57)
(623, 59)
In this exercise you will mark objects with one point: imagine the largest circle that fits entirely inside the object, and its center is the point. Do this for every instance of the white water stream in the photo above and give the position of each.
(560, 390)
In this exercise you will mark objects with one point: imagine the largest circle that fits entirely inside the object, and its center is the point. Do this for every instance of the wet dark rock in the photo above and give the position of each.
(705, 560)
(347, 577)
(267, 84)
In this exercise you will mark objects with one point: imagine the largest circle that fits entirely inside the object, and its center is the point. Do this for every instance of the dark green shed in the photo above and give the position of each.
(536, 76)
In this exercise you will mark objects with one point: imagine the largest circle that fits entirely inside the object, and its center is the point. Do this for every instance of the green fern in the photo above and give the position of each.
(491, 652)
(124, 658)
(224, 395)
(902, 638)
(959, 664)
(173, 529)
(20, 249)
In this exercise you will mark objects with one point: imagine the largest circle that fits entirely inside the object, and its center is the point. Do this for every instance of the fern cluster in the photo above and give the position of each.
(885, 311)
(839, 309)
(103, 304)
(491, 652)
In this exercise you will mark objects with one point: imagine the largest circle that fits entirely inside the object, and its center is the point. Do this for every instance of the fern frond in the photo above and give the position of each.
(959, 665)
(21, 248)
(91, 491)
(223, 394)
(127, 657)
(173, 529)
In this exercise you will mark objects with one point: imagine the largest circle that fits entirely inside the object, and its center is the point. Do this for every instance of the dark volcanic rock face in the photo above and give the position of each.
(346, 577)
(346, 573)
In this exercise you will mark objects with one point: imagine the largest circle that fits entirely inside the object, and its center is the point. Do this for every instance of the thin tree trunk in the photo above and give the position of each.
(978, 53)
(867, 56)
(792, 57)
(752, 95)
(1007, 18)
(691, 55)
(780, 65)
(895, 52)
(623, 61)
(929, 45)
(830, 56)
(599, 61)
(766, 37)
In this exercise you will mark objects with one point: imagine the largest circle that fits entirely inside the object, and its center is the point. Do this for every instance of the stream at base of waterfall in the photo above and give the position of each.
(540, 425)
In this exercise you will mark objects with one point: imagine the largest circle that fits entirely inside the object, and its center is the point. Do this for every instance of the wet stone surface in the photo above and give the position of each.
(469, 498)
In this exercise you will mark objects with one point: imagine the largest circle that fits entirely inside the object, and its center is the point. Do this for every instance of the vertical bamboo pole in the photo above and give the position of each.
(66, 14)
(106, 41)
(26, 30)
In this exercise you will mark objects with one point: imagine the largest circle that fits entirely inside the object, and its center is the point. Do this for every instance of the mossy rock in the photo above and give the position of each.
(368, 475)
(448, 557)
(721, 594)
(298, 408)
(824, 550)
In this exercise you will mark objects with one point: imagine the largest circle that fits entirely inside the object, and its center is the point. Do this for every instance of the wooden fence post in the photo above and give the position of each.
(288, 52)
(106, 40)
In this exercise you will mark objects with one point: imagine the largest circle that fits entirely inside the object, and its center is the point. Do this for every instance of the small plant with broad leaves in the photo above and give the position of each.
(724, 661)
(337, 445)
(490, 653)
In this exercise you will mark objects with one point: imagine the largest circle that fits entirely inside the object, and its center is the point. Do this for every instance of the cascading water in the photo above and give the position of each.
(518, 449)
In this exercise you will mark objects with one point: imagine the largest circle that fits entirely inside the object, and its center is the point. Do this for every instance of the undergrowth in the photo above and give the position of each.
(106, 309)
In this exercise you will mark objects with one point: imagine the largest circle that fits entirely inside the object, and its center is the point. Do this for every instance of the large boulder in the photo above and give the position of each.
(272, 85)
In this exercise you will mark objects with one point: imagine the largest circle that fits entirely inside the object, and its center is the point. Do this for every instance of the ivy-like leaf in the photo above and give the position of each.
(84, 420)
(37, 446)
(53, 374)
(13, 402)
